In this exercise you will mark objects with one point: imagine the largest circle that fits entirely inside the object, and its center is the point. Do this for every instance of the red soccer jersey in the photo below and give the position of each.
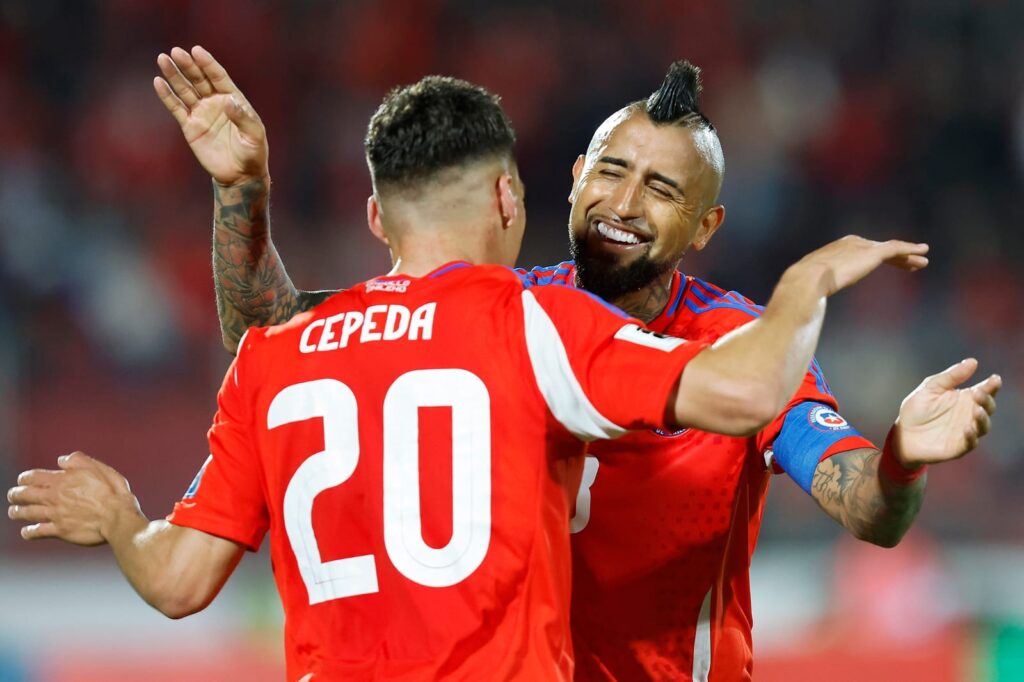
(666, 524)
(412, 445)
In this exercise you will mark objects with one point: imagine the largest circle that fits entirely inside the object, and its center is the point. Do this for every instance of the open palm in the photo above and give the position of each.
(225, 133)
(939, 421)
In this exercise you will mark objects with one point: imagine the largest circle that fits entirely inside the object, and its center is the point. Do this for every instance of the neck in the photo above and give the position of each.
(422, 252)
(647, 303)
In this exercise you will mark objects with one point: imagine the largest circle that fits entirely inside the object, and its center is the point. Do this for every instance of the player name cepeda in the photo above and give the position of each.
(379, 323)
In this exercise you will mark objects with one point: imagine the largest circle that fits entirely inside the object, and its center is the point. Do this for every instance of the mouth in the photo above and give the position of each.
(619, 234)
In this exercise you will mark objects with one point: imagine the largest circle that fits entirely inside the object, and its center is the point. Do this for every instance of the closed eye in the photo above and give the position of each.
(609, 173)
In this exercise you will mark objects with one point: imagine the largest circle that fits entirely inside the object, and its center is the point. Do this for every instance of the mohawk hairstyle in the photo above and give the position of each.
(678, 98)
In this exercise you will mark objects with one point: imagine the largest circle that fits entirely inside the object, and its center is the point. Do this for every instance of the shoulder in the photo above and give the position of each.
(562, 273)
(714, 308)
(564, 300)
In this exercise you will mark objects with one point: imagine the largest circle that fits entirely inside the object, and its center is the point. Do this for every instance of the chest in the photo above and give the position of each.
(656, 498)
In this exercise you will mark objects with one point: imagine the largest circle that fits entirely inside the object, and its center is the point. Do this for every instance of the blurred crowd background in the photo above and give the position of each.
(896, 118)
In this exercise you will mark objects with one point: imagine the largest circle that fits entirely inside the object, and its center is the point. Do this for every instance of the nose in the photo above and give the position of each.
(626, 200)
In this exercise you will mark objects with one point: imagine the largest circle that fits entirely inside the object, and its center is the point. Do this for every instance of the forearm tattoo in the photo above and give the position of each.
(253, 288)
(849, 488)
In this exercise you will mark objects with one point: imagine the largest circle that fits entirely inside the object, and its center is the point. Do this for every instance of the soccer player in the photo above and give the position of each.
(662, 545)
(413, 444)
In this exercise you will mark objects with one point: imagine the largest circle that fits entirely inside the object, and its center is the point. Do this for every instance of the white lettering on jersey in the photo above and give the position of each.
(422, 324)
(645, 337)
(377, 323)
(566, 399)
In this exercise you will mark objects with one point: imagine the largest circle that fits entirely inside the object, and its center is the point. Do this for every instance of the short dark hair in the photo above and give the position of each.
(678, 99)
(435, 124)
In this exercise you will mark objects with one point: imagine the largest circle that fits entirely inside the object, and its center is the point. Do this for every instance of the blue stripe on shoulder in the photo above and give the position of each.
(714, 300)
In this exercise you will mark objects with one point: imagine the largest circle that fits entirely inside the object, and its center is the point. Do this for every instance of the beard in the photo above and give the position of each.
(602, 273)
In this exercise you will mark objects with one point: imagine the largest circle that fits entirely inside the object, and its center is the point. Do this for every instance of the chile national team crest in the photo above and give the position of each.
(824, 418)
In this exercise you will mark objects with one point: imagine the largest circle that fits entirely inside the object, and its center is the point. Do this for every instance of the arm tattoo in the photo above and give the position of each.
(849, 487)
(647, 303)
(253, 288)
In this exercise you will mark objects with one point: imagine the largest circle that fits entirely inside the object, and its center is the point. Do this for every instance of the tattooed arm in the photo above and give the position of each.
(228, 138)
(852, 490)
(253, 287)
(938, 422)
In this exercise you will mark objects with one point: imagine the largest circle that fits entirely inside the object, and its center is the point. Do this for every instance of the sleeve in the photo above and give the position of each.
(809, 430)
(601, 372)
(227, 498)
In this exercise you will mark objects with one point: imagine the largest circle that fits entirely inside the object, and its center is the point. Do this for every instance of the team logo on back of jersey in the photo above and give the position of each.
(824, 418)
(394, 286)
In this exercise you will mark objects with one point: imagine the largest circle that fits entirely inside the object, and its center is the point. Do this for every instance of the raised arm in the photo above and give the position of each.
(176, 570)
(876, 494)
(739, 385)
(228, 138)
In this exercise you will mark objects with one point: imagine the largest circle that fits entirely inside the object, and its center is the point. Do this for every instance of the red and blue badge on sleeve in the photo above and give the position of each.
(810, 433)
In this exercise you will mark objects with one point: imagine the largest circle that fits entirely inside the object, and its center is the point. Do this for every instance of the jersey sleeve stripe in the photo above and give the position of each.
(819, 378)
(555, 378)
(720, 301)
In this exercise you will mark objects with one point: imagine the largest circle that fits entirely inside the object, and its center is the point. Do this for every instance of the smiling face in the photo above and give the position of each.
(642, 195)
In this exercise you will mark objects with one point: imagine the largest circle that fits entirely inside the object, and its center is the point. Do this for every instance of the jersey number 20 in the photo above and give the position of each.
(336, 405)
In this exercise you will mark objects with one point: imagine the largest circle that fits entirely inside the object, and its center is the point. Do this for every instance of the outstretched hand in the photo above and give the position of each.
(939, 422)
(224, 131)
(72, 503)
(846, 261)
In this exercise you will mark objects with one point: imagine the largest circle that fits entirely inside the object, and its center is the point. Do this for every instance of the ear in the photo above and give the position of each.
(577, 170)
(709, 224)
(373, 219)
(508, 200)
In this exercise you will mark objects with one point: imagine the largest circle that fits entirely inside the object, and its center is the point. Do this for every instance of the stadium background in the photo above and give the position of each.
(883, 118)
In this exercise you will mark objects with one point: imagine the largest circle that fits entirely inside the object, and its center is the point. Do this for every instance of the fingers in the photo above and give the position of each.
(174, 105)
(39, 477)
(989, 386)
(243, 116)
(79, 460)
(908, 256)
(181, 86)
(39, 531)
(30, 513)
(952, 377)
(24, 494)
(982, 420)
(214, 71)
(197, 79)
(898, 247)
(909, 263)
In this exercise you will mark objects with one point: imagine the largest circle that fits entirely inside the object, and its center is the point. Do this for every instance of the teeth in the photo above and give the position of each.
(617, 235)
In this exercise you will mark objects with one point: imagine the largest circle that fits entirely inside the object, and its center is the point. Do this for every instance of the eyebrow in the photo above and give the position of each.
(624, 164)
